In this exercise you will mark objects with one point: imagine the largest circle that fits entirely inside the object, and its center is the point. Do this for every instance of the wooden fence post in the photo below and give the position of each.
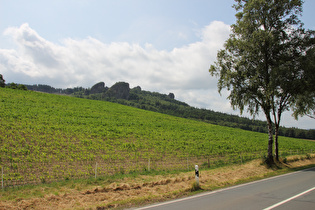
(95, 170)
(187, 164)
(2, 176)
(149, 164)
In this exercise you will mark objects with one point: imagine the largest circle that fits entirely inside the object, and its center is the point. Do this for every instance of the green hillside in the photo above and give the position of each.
(166, 104)
(50, 137)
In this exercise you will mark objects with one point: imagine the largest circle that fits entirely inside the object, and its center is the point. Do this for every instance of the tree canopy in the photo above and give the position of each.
(2, 81)
(266, 60)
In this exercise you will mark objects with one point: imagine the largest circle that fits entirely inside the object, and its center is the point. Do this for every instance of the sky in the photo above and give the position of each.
(165, 46)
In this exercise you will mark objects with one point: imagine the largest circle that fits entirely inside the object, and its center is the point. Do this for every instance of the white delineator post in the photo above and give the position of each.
(197, 174)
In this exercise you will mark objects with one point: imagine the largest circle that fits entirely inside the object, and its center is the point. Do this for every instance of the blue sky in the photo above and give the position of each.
(165, 24)
(160, 45)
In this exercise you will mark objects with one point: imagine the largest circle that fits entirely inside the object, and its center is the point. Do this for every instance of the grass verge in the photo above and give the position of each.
(131, 190)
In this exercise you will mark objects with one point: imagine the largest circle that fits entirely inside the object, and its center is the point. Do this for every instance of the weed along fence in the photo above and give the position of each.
(15, 174)
(21, 173)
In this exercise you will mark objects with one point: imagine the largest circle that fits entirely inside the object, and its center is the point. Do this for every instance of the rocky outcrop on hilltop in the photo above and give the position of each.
(120, 90)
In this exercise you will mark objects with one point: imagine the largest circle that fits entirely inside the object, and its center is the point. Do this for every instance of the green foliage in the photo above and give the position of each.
(305, 102)
(195, 187)
(261, 62)
(12, 86)
(266, 161)
(2, 81)
(284, 160)
(265, 62)
(22, 87)
(16, 86)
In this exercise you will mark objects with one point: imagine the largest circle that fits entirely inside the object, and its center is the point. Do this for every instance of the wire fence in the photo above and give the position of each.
(23, 173)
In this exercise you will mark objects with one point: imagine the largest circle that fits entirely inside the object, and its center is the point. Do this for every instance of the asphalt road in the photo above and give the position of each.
(290, 191)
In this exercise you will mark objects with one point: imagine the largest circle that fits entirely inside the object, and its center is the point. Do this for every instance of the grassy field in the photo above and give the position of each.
(45, 137)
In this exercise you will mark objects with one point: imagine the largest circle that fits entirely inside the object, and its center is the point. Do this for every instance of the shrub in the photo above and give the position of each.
(195, 187)
(267, 161)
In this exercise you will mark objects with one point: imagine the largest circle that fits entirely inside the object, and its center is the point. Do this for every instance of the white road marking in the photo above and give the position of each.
(289, 199)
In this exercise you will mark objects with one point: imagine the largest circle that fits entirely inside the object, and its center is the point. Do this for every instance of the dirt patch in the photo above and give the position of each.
(140, 190)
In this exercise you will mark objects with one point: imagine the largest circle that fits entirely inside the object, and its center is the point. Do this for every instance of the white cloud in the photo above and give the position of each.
(84, 62)
(70, 63)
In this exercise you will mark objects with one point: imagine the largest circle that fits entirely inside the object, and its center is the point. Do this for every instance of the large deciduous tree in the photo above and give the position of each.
(265, 62)
(2, 81)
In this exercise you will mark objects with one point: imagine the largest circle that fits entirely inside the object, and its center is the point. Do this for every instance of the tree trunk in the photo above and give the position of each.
(276, 143)
(277, 125)
(270, 141)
